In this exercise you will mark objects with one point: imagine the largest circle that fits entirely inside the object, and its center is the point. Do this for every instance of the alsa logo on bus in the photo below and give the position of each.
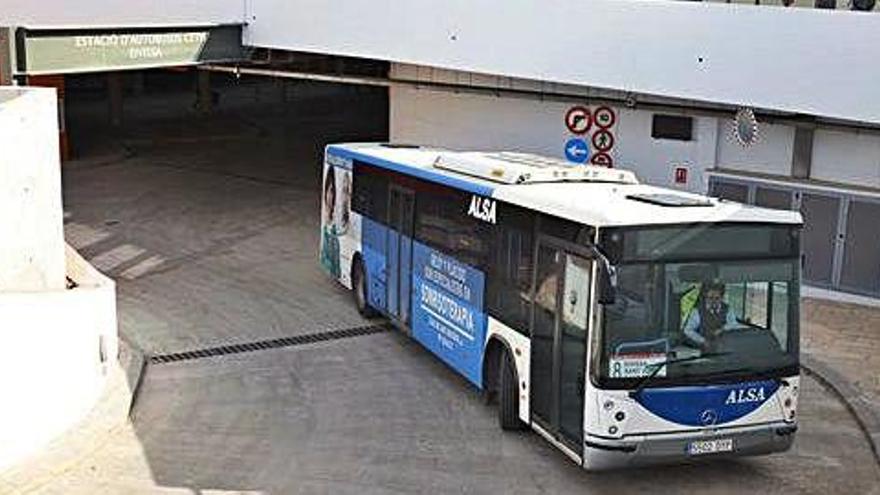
(482, 209)
(745, 395)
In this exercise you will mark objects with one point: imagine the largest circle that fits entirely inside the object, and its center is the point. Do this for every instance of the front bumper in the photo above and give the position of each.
(602, 454)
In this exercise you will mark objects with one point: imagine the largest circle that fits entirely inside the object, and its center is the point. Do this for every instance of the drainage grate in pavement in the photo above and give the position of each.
(270, 344)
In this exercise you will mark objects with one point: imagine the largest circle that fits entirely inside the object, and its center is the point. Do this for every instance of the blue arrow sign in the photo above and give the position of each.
(577, 150)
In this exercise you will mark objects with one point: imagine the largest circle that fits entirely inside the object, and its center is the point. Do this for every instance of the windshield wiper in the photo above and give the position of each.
(659, 366)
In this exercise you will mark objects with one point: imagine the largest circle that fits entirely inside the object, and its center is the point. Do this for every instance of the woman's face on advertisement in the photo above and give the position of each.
(329, 200)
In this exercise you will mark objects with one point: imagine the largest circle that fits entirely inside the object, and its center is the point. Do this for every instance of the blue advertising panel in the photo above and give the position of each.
(374, 237)
(447, 312)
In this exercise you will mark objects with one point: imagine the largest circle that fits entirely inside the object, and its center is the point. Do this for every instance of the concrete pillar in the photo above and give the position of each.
(7, 45)
(114, 98)
(205, 99)
(57, 82)
(31, 221)
(802, 154)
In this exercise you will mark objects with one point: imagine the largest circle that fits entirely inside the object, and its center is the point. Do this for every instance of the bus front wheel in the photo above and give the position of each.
(359, 283)
(508, 395)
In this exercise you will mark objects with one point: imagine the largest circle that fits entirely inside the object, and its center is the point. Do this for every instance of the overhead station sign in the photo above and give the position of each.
(52, 51)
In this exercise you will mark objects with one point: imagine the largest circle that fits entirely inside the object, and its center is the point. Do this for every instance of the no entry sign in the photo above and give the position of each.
(578, 120)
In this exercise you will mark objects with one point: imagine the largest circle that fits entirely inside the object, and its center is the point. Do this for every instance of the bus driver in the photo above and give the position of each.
(709, 317)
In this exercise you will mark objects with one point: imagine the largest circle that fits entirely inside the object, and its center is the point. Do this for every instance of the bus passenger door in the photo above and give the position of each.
(401, 206)
(559, 338)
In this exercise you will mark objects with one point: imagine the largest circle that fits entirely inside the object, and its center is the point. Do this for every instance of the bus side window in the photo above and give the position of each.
(369, 192)
(564, 229)
(510, 269)
(442, 222)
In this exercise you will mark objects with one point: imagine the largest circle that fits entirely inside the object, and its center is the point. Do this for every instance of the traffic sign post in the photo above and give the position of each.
(578, 120)
(577, 150)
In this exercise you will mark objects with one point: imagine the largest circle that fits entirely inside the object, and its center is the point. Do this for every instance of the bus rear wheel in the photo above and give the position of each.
(359, 284)
(508, 395)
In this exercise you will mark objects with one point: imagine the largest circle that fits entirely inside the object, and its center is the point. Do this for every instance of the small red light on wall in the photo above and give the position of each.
(681, 175)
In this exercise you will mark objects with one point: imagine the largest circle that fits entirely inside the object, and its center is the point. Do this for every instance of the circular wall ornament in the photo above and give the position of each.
(745, 127)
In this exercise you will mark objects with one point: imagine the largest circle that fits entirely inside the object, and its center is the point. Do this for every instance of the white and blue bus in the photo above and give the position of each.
(625, 323)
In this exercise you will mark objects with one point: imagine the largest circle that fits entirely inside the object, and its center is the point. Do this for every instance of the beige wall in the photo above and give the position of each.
(467, 121)
(31, 216)
(770, 155)
(847, 157)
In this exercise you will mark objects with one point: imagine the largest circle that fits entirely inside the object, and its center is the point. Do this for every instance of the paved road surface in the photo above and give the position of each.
(378, 414)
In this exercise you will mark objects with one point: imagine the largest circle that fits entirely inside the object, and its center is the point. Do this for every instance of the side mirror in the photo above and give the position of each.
(607, 283)
(607, 286)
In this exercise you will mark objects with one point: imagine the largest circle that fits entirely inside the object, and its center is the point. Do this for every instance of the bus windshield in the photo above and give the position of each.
(679, 299)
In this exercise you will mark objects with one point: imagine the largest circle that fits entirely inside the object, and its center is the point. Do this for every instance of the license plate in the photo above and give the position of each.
(701, 447)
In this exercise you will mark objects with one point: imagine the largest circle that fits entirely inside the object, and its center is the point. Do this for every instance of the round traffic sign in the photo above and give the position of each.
(578, 120)
(604, 117)
(577, 150)
(603, 140)
(602, 159)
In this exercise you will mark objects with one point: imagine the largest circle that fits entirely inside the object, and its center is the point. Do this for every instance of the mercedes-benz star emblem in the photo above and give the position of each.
(708, 417)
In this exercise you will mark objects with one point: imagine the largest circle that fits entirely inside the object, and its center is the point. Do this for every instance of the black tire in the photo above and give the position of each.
(359, 289)
(508, 395)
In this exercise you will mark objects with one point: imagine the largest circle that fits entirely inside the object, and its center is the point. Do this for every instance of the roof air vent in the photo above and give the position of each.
(524, 168)
(670, 200)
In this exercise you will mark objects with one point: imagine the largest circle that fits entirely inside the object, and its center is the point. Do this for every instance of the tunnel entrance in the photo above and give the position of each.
(204, 206)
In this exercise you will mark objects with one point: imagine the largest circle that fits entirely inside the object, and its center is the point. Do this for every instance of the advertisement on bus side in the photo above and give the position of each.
(447, 310)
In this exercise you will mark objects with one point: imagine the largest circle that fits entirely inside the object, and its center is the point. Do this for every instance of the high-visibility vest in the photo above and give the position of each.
(688, 303)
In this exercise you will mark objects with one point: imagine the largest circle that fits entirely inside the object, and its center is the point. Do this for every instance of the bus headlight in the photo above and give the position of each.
(788, 395)
(613, 414)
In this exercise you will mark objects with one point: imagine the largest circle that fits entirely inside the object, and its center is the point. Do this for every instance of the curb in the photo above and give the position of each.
(855, 402)
(135, 367)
